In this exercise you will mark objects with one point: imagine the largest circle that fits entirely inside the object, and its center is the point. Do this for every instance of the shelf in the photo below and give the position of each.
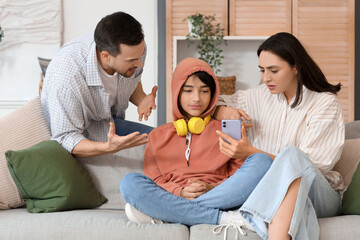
(240, 58)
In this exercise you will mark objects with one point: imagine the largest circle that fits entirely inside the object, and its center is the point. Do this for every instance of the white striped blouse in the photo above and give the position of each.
(315, 126)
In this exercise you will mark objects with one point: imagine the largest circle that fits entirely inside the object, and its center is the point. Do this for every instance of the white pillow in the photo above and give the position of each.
(349, 160)
(20, 129)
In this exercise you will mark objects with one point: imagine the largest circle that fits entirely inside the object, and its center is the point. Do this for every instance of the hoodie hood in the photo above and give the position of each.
(183, 70)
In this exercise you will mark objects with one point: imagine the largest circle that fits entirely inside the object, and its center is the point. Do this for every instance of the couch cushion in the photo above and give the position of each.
(205, 231)
(334, 228)
(343, 227)
(50, 179)
(108, 170)
(21, 129)
(92, 224)
(349, 160)
(352, 130)
(351, 199)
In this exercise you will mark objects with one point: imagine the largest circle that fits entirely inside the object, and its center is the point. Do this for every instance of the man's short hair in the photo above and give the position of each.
(115, 29)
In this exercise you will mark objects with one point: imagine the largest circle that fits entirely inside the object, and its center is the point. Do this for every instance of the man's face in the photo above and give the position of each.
(126, 62)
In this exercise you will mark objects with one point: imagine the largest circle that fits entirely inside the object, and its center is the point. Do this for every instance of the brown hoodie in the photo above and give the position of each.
(165, 160)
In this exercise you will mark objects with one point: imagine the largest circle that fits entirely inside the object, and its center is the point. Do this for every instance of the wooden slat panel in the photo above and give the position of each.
(259, 18)
(176, 11)
(326, 28)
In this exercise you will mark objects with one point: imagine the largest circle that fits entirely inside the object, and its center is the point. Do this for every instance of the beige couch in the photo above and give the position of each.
(26, 127)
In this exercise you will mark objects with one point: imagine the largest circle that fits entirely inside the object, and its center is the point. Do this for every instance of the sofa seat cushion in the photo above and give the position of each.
(82, 224)
(205, 231)
(341, 227)
(334, 228)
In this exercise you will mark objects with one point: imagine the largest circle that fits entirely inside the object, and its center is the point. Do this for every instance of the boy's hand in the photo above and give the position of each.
(195, 189)
(147, 104)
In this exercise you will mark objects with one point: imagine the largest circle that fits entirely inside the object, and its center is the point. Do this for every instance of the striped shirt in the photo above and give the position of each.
(315, 126)
(75, 102)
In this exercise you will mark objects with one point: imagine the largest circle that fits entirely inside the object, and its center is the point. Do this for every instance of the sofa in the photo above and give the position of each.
(26, 126)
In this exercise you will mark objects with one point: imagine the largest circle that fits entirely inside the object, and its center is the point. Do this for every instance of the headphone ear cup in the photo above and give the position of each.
(196, 125)
(181, 127)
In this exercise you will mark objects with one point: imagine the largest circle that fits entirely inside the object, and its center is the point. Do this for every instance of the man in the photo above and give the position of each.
(88, 86)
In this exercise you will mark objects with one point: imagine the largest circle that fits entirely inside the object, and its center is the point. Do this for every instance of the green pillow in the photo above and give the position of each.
(49, 179)
(351, 199)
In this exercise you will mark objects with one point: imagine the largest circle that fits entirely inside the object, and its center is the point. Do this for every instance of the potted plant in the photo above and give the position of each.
(1, 34)
(209, 37)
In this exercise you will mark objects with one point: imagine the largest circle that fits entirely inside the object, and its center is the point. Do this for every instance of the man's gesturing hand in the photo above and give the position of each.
(147, 104)
(116, 143)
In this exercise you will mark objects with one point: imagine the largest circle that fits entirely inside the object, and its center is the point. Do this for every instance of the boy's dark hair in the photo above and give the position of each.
(207, 79)
(115, 29)
(289, 48)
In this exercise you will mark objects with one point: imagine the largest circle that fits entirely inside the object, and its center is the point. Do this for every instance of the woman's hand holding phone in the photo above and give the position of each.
(239, 149)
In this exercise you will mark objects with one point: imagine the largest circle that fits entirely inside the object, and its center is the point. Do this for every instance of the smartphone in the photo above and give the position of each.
(231, 127)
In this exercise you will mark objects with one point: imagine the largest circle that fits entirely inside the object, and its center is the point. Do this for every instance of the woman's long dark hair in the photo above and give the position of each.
(289, 48)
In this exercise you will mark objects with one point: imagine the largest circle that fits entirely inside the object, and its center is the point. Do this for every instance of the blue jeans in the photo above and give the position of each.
(316, 198)
(124, 127)
(145, 195)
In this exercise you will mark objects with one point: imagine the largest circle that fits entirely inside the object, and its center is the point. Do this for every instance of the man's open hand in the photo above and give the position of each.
(147, 104)
(116, 143)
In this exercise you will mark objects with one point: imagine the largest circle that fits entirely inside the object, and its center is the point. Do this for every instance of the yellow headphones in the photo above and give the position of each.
(195, 125)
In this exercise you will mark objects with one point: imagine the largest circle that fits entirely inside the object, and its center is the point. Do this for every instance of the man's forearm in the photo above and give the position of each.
(138, 95)
(87, 148)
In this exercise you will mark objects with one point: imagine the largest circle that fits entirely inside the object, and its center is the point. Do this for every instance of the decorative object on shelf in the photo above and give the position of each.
(1, 34)
(209, 36)
(227, 85)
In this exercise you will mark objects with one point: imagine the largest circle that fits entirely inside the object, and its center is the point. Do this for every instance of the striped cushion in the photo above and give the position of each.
(21, 129)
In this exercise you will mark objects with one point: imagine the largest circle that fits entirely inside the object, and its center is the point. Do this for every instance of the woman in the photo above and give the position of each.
(187, 179)
(298, 122)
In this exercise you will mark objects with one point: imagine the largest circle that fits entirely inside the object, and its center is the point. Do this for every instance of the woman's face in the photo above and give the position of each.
(194, 97)
(278, 75)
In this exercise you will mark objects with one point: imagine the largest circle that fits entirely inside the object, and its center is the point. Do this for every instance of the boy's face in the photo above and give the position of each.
(194, 97)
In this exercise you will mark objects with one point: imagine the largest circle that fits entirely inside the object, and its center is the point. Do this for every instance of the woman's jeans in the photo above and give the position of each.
(145, 195)
(316, 198)
(125, 127)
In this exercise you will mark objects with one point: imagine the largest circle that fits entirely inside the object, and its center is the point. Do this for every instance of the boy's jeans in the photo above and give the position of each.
(145, 195)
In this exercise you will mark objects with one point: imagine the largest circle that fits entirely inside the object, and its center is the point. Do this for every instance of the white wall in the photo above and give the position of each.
(92, 12)
(20, 71)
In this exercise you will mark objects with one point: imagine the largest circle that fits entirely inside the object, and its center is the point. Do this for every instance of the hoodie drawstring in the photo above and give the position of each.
(188, 150)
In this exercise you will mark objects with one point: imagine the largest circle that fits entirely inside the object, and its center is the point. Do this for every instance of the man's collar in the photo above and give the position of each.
(92, 72)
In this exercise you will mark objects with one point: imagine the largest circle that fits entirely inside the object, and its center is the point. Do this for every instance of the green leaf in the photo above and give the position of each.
(210, 36)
